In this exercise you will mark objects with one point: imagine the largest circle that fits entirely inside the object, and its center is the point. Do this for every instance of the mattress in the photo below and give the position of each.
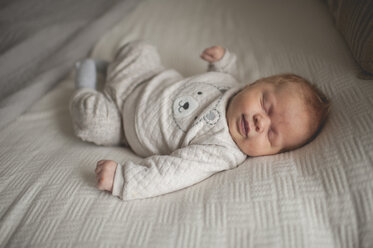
(318, 196)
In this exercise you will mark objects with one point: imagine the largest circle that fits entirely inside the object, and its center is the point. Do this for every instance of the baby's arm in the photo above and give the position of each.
(161, 174)
(220, 60)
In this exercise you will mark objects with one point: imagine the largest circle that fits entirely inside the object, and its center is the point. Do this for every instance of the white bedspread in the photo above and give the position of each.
(318, 196)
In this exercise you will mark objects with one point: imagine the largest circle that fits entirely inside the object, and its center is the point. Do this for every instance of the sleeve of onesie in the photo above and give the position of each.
(227, 64)
(161, 174)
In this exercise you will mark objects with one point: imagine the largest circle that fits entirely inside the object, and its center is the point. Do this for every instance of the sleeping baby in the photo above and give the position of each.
(187, 129)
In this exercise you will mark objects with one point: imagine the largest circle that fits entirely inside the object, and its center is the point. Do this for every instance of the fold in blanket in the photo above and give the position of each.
(41, 41)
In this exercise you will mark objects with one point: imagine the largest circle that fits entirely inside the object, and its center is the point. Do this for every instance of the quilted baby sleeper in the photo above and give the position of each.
(177, 125)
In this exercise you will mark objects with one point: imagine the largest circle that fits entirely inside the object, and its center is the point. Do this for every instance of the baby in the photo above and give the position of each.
(187, 129)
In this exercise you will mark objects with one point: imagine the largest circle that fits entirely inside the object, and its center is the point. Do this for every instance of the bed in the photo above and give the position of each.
(318, 196)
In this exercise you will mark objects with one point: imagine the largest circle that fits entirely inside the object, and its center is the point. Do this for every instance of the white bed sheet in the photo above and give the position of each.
(318, 196)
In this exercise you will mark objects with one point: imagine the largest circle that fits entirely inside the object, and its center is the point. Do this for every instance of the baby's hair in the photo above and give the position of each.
(316, 102)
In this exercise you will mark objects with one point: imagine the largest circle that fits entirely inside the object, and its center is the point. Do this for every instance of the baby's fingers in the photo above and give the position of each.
(100, 178)
(99, 166)
(98, 175)
(207, 57)
(100, 162)
(100, 183)
(98, 169)
(104, 183)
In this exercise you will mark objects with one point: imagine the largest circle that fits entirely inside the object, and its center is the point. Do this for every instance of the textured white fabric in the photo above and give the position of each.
(318, 196)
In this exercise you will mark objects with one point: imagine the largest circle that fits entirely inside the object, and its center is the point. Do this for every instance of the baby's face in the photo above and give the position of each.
(264, 119)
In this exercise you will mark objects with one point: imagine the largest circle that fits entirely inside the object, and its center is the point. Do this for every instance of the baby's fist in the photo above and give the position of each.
(213, 54)
(105, 171)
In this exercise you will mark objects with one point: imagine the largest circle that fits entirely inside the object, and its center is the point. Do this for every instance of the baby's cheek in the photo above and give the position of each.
(257, 147)
(247, 147)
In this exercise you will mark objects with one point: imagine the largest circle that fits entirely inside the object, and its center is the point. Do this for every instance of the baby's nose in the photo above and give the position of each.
(259, 122)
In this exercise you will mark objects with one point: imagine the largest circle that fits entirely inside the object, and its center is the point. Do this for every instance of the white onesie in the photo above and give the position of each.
(178, 125)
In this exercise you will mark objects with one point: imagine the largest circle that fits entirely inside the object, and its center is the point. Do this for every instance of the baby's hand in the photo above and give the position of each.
(105, 171)
(213, 54)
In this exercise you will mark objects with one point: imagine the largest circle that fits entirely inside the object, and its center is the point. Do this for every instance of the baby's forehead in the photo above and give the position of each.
(287, 104)
(293, 120)
(289, 88)
(286, 89)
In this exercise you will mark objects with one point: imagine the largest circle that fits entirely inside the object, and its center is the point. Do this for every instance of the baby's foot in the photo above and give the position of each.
(85, 76)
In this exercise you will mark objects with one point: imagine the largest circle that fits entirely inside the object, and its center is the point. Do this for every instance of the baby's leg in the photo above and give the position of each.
(96, 118)
(134, 63)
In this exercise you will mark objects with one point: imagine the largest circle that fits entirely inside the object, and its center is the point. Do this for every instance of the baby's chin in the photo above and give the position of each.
(244, 149)
(255, 152)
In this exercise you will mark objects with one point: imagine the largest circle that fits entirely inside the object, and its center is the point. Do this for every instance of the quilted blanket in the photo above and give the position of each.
(318, 196)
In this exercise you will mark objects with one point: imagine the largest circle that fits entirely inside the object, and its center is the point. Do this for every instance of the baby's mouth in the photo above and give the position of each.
(245, 129)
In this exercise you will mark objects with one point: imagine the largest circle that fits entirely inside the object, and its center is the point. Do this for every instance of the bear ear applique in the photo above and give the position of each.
(223, 90)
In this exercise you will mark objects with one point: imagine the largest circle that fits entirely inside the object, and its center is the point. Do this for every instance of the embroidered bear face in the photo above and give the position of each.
(189, 106)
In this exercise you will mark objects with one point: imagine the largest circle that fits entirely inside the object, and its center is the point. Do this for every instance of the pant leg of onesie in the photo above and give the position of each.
(96, 118)
(134, 63)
